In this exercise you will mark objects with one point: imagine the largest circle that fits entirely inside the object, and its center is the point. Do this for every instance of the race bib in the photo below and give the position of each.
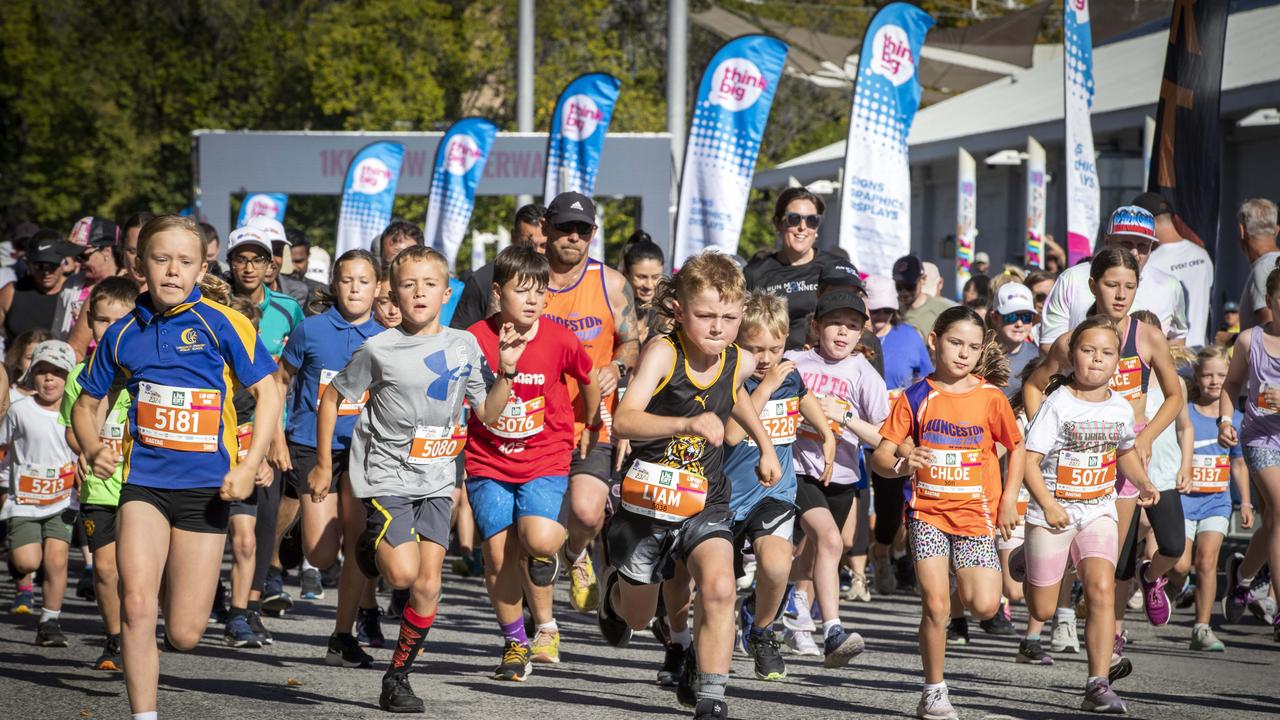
(433, 445)
(520, 418)
(1128, 378)
(112, 435)
(1024, 501)
(808, 432)
(179, 418)
(1085, 475)
(950, 475)
(344, 407)
(244, 438)
(44, 485)
(663, 493)
(1210, 473)
(1264, 407)
(780, 418)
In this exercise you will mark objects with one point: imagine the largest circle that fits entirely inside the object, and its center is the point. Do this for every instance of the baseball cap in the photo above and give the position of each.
(1153, 203)
(55, 352)
(881, 293)
(841, 275)
(270, 227)
(47, 247)
(1231, 306)
(1132, 221)
(102, 233)
(247, 235)
(840, 300)
(1014, 297)
(982, 257)
(318, 265)
(908, 270)
(571, 207)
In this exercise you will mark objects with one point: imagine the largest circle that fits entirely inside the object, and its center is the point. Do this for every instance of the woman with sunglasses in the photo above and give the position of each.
(793, 270)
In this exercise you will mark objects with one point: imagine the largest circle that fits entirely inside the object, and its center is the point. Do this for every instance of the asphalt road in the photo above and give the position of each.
(290, 681)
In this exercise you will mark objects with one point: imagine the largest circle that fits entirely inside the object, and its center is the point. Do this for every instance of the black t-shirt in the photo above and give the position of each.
(29, 310)
(473, 306)
(797, 283)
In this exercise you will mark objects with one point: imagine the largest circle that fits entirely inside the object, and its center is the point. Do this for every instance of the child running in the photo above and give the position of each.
(180, 357)
(954, 418)
(405, 443)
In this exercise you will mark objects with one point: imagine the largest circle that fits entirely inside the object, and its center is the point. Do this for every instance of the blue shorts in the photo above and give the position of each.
(497, 505)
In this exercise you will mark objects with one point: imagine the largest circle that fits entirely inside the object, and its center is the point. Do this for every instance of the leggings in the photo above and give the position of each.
(889, 504)
(1169, 528)
(265, 529)
(861, 535)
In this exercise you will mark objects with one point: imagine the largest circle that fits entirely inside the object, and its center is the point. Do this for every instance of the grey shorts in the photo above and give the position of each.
(645, 550)
(398, 520)
(1258, 458)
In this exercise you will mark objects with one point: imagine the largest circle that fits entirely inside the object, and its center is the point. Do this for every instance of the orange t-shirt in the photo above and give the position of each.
(958, 492)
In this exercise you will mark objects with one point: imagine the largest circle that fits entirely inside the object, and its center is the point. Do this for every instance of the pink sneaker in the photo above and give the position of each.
(1154, 599)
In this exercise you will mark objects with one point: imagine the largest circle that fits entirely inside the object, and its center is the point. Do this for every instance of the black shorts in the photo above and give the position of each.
(304, 459)
(195, 510)
(770, 518)
(99, 525)
(838, 499)
(1165, 516)
(598, 463)
(645, 550)
(248, 506)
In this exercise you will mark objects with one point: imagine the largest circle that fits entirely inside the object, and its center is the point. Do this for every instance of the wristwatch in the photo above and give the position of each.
(510, 375)
(1224, 419)
(848, 415)
(622, 368)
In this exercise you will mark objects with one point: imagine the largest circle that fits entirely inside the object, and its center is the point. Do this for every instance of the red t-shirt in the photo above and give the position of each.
(534, 436)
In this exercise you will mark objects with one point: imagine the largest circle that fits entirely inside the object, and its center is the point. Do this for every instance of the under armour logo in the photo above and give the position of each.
(576, 205)
(438, 363)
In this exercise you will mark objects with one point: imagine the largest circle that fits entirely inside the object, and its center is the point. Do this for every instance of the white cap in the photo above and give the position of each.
(248, 235)
(270, 227)
(318, 265)
(1014, 297)
(881, 293)
(982, 257)
(54, 352)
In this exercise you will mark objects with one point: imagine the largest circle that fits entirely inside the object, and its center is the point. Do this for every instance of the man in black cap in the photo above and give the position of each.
(918, 308)
(30, 303)
(98, 260)
(1184, 260)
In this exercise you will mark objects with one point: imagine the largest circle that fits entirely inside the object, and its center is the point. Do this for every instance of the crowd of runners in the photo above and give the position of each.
(719, 456)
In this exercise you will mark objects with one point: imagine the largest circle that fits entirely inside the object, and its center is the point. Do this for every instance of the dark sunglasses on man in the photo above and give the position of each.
(579, 228)
(794, 219)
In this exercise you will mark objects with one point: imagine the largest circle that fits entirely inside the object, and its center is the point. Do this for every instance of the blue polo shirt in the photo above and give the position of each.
(320, 347)
(181, 368)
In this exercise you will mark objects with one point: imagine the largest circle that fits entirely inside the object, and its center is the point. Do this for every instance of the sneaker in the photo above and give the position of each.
(219, 614)
(543, 571)
(1237, 597)
(958, 631)
(1154, 599)
(1275, 629)
(999, 624)
(846, 579)
(274, 598)
(111, 658)
(672, 665)
(661, 625)
(1186, 598)
(1134, 603)
(796, 615)
(397, 696)
(331, 576)
(1263, 608)
(396, 606)
(1064, 637)
(1121, 666)
(49, 634)
(1100, 698)
(935, 704)
(345, 651)
(24, 603)
(840, 647)
(858, 589)
(613, 628)
(886, 583)
(255, 623)
(515, 663)
(708, 709)
(369, 627)
(545, 647)
(367, 558)
(763, 649)
(238, 634)
(311, 589)
(1031, 652)
(1202, 638)
(687, 685)
(584, 592)
(84, 586)
(801, 642)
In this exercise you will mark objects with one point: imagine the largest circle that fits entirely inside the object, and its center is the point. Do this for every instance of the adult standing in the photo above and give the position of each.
(932, 280)
(1184, 260)
(129, 247)
(477, 292)
(97, 261)
(1258, 229)
(918, 307)
(30, 303)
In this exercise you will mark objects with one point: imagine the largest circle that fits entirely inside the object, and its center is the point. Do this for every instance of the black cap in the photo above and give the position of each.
(840, 300)
(908, 270)
(102, 233)
(842, 276)
(571, 207)
(47, 247)
(1153, 203)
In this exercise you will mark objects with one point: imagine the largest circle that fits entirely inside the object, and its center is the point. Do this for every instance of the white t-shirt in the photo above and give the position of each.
(1166, 454)
(35, 440)
(1254, 297)
(1190, 264)
(1069, 431)
(1068, 303)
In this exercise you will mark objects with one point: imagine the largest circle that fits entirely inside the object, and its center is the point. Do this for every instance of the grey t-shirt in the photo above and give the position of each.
(922, 318)
(1255, 289)
(416, 386)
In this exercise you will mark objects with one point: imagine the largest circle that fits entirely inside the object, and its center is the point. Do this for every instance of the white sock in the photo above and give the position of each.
(550, 627)
(828, 624)
(148, 715)
(46, 615)
(683, 638)
(1066, 614)
(935, 686)
(1033, 637)
(1197, 626)
(306, 565)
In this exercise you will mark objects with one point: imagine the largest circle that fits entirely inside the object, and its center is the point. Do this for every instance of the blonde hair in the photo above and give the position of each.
(215, 289)
(1207, 353)
(414, 253)
(1010, 274)
(247, 308)
(164, 223)
(764, 311)
(708, 270)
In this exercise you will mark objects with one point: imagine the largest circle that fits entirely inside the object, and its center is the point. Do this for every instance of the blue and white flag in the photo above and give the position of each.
(260, 204)
(577, 134)
(1084, 195)
(729, 118)
(875, 197)
(368, 195)
(460, 160)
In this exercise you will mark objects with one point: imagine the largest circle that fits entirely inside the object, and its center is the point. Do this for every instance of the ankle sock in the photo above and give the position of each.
(683, 638)
(1065, 615)
(550, 627)
(46, 615)
(514, 630)
(831, 625)
(149, 715)
(711, 685)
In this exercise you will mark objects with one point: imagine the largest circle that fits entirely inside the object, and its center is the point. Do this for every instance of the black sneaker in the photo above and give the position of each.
(708, 709)
(49, 634)
(219, 614)
(687, 687)
(331, 576)
(397, 696)
(958, 632)
(1032, 652)
(543, 571)
(84, 586)
(369, 627)
(516, 665)
(255, 624)
(111, 658)
(345, 652)
(672, 665)
(763, 649)
(613, 628)
(999, 624)
(366, 553)
(275, 601)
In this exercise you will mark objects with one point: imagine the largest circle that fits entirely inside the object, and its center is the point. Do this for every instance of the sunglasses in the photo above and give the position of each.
(578, 228)
(794, 219)
(1026, 317)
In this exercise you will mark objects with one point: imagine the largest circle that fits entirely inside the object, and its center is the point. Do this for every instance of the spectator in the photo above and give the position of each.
(477, 297)
(30, 303)
(932, 280)
(1184, 260)
(1257, 224)
(129, 246)
(918, 308)
(981, 264)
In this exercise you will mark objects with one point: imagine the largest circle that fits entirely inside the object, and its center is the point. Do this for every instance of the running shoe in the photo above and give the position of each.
(709, 709)
(1263, 608)
(1064, 637)
(543, 571)
(1018, 564)
(584, 592)
(345, 651)
(84, 586)
(369, 627)
(111, 658)
(469, 564)
(255, 622)
(1121, 666)
(858, 589)
(846, 579)
(840, 647)
(958, 631)
(1202, 638)
(49, 634)
(672, 665)
(24, 603)
(545, 647)
(515, 665)
(1186, 598)
(796, 615)
(238, 634)
(274, 598)
(396, 606)
(367, 559)
(219, 614)
(1275, 629)
(935, 704)
(1135, 602)
(801, 642)
(687, 685)
(661, 625)
(1100, 698)
(332, 575)
(1000, 623)
(1154, 599)
(311, 588)
(1031, 652)
(613, 629)
(397, 696)
(886, 583)
(748, 579)
(763, 649)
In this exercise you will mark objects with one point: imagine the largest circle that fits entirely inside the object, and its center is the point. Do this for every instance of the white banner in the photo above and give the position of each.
(1036, 199)
(1083, 193)
(966, 217)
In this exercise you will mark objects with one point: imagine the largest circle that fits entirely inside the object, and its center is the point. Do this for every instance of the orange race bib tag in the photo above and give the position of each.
(1210, 473)
(663, 493)
(433, 445)
(244, 438)
(1128, 378)
(520, 418)
(807, 431)
(344, 406)
(950, 475)
(1085, 475)
(44, 485)
(179, 418)
(1024, 501)
(781, 419)
(1264, 407)
(112, 435)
